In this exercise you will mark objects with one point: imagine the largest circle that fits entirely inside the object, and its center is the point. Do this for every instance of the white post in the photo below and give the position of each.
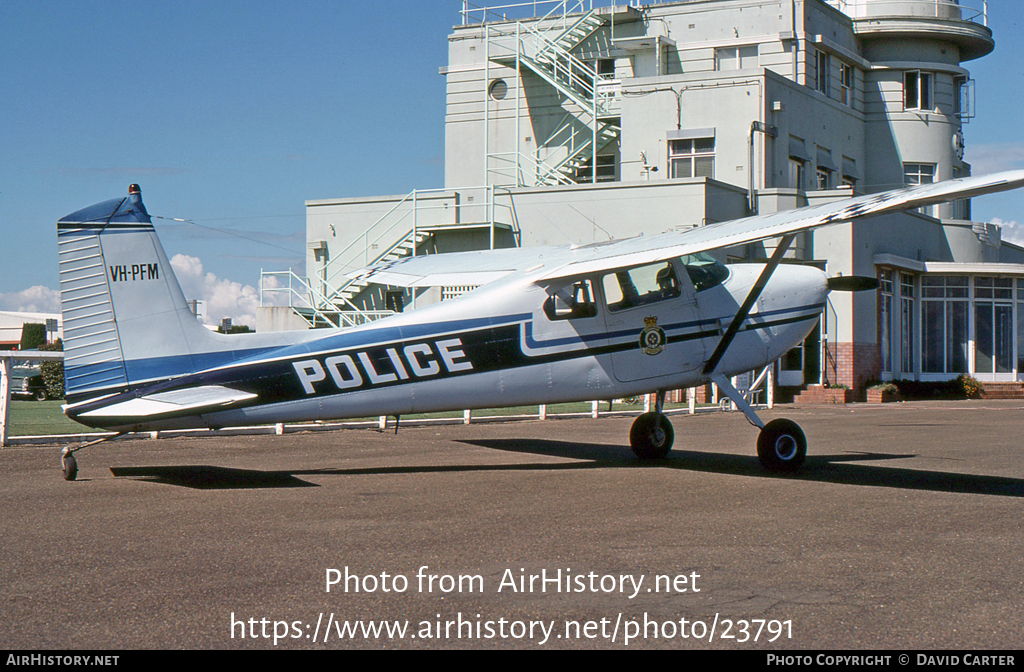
(382, 423)
(279, 429)
(5, 399)
(594, 409)
(647, 403)
(543, 411)
(770, 387)
(467, 416)
(691, 398)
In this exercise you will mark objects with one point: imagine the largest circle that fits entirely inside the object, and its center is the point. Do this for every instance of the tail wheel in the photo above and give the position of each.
(650, 439)
(69, 464)
(782, 446)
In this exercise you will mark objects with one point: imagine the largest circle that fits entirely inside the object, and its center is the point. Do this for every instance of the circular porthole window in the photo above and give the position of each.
(498, 89)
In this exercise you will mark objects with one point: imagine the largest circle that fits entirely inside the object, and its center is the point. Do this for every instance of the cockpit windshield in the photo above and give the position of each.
(704, 270)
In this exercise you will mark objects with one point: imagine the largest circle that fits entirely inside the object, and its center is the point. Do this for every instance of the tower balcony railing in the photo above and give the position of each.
(973, 11)
(474, 14)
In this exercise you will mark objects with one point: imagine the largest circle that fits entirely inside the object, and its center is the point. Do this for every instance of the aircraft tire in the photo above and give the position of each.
(643, 441)
(69, 465)
(781, 446)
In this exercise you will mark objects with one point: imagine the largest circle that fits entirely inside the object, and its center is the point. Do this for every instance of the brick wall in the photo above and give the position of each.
(857, 363)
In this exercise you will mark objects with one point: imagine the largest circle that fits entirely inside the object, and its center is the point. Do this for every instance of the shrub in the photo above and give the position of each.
(32, 335)
(53, 372)
(970, 386)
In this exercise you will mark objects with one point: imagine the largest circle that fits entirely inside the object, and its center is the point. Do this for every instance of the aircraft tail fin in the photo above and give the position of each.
(125, 317)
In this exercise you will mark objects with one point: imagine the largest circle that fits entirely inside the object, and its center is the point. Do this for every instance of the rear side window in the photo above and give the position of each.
(571, 301)
(640, 286)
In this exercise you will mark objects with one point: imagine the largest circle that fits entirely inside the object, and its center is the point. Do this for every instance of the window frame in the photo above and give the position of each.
(691, 158)
(846, 83)
(920, 97)
(822, 72)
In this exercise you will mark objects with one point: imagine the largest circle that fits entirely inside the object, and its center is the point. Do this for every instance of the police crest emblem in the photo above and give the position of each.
(652, 338)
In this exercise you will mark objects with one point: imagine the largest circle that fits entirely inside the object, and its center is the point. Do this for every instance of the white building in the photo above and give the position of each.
(11, 324)
(706, 110)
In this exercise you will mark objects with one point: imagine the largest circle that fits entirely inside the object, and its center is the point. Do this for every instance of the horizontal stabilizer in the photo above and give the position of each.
(191, 399)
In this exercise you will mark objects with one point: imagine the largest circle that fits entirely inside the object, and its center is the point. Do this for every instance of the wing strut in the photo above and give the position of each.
(748, 303)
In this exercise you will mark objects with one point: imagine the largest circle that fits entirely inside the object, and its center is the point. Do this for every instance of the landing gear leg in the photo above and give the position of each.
(652, 435)
(781, 445)
(68, 463)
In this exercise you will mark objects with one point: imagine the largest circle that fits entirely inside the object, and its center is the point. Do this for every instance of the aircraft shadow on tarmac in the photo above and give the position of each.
(841, 469)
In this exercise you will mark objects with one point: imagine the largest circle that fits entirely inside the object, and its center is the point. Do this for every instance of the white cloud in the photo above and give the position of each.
(38, 299)
(1012, 231)
(223, 297)
(995, 157)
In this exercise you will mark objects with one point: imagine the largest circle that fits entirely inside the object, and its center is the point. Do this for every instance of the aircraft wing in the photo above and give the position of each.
(475, 268)
(457, 268)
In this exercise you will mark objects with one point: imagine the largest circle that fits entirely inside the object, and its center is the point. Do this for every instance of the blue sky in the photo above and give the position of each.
(233, 114)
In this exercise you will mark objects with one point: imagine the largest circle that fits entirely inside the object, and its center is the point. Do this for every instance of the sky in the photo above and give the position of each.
(231, 114)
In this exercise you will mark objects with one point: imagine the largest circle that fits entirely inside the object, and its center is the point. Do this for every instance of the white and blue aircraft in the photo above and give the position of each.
(647, 314)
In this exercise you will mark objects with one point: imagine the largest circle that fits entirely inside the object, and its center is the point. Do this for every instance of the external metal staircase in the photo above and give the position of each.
(545, 46)
(334, 299)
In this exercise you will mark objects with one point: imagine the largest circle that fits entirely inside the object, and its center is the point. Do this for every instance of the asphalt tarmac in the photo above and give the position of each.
(904, 531)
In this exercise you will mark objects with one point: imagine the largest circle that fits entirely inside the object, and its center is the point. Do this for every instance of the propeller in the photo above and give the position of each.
(852, 283)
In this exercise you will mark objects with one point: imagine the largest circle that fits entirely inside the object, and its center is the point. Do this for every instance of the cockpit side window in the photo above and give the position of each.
(704, 270)
(640, 286)
(571, 301)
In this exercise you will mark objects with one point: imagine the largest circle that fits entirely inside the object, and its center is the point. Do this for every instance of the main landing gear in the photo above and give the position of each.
(781, 444)
(651, 435)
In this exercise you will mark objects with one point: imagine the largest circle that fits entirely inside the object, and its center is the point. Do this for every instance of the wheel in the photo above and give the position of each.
(69, 464)
(782, 446)
(41, 394)
(648, 441)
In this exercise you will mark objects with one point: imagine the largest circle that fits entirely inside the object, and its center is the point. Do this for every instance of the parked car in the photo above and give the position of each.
(27, 381)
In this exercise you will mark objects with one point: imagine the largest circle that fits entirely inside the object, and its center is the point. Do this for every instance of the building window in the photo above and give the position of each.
(945, 308)
(1020, 325)
(498, 89)
(920, 173)
(824, 176)
(825, 169)
(885, 319)
(605, 169)
(798, 160)
(850, 173)
(962, 207)
(906, 323)
(917, 90)
(604, 67)
(993, 325)
(796, 173)
(821, 72)
(736, 58)
(692, 158)
(846, 84)
(963, 98)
